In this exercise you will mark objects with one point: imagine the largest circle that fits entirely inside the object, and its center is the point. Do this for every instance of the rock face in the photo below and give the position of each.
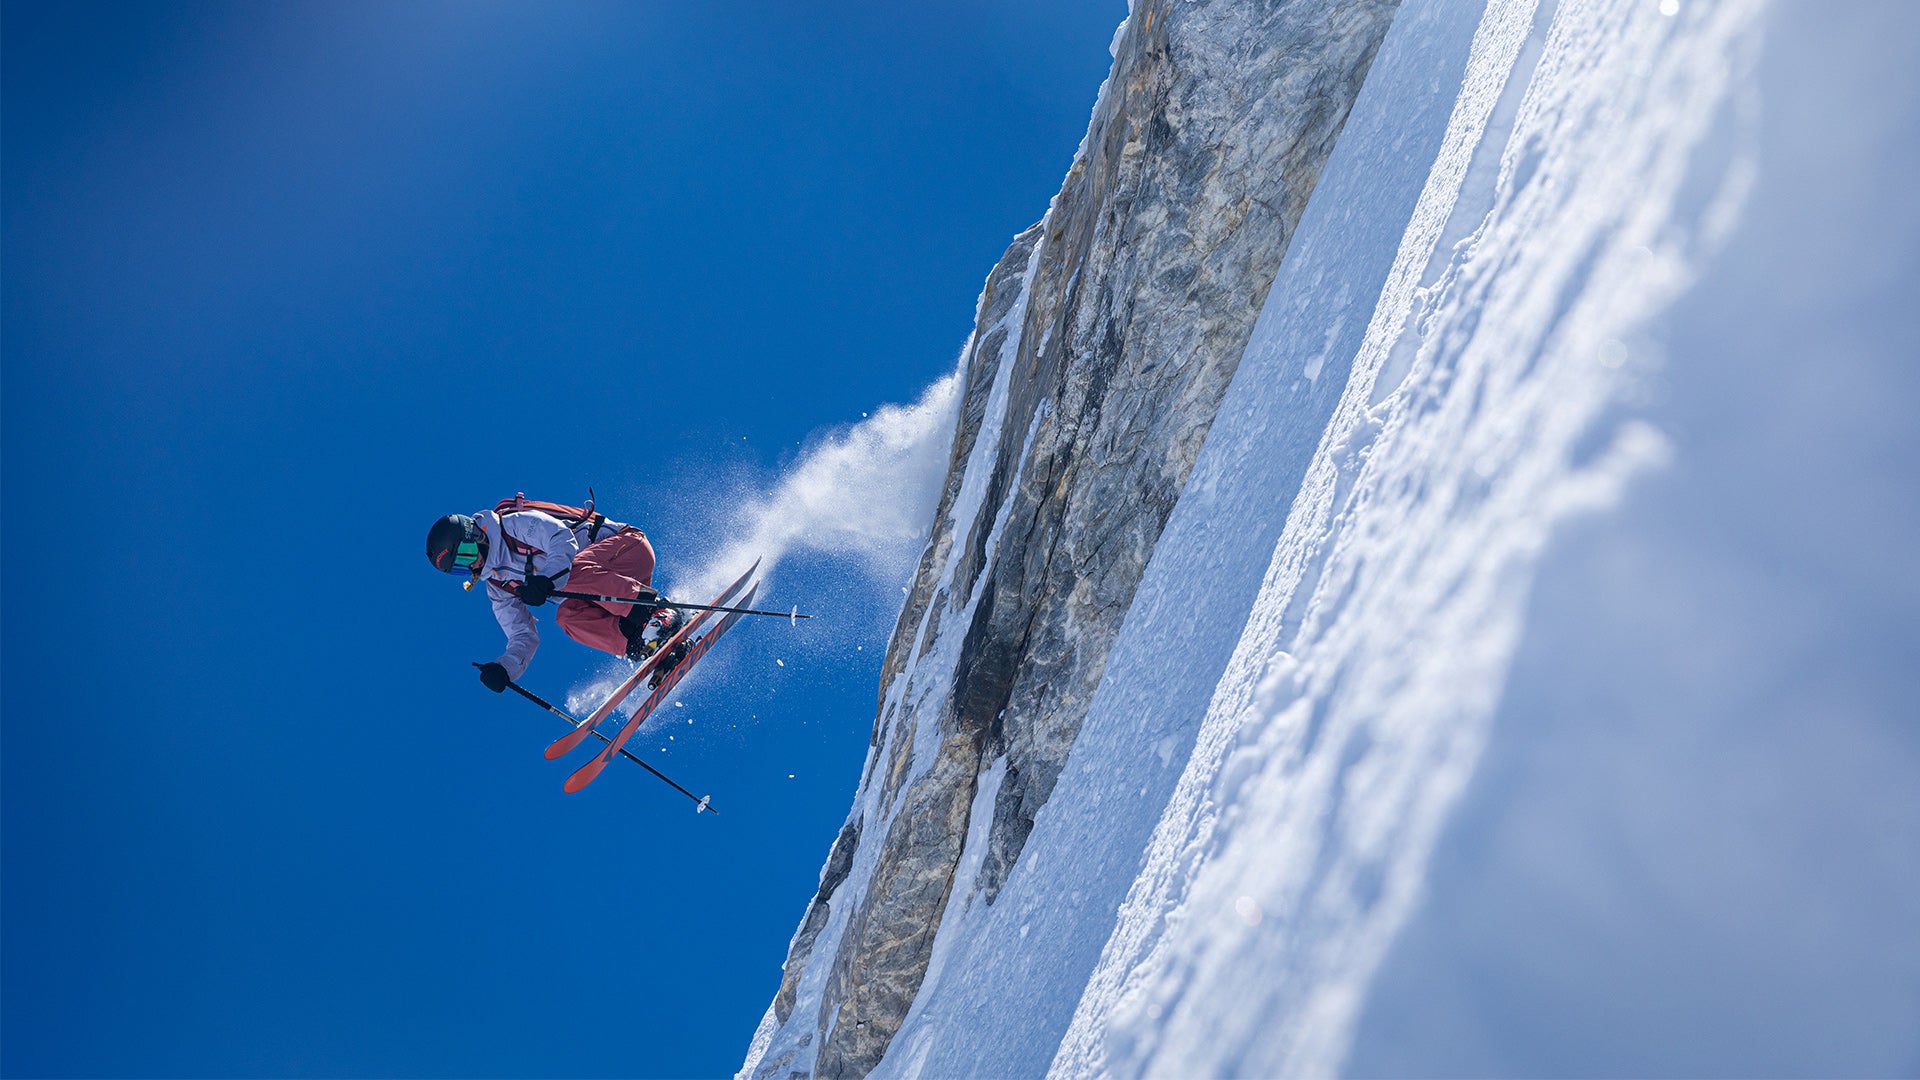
(1104, 340)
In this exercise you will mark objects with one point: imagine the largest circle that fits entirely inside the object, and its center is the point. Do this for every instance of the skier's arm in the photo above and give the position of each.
(522, 629)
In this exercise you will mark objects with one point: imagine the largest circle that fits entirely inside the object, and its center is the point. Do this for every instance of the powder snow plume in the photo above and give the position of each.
(865, 493)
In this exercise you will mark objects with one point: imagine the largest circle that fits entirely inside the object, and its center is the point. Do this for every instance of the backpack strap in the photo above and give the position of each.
(597, 519)
(522, 548)
(574, 517)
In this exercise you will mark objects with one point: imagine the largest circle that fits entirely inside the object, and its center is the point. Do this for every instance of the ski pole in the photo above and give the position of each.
(699, 803)
(563, 594)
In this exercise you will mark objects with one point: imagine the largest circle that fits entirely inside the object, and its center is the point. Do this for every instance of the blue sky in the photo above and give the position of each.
(282, 283)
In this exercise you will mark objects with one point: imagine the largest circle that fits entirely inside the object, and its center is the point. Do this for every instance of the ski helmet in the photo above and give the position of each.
(456, 544)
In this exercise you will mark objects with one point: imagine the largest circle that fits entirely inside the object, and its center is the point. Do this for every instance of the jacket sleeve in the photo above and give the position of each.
(557, 546)
(523, 631)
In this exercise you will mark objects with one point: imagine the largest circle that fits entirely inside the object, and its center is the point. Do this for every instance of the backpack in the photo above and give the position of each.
(574, 516)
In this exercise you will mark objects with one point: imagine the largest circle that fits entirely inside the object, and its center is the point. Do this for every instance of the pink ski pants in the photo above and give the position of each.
(620, 565)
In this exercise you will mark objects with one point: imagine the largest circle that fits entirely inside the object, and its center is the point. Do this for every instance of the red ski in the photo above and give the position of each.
(578, 735)
(585, 774)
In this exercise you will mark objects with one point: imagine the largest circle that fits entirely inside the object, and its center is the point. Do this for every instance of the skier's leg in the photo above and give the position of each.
(593, 626)
(620, 565)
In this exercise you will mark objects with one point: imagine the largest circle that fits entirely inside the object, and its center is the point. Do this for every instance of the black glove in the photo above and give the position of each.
(535, 590)
(494, 676)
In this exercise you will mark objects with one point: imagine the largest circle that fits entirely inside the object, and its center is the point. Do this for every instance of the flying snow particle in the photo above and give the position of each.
(782, 663)
(789, 776)
(1669, 8)
(1249, 910)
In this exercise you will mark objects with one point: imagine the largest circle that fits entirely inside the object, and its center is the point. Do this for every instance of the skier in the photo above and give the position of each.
(528, 550)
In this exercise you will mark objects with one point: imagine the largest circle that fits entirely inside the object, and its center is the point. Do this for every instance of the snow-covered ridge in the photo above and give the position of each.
(1103, 342)
(1167, 789)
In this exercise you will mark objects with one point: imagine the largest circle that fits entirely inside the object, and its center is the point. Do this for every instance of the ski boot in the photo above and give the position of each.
(667, 663)
(667, 623)
(648, 625)
(634, 624)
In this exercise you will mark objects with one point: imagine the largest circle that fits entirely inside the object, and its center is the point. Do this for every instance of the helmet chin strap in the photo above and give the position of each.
(480, 563)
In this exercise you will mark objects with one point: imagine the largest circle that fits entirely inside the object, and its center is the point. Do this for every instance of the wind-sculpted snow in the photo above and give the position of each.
(1477, 415)
(1686, 848)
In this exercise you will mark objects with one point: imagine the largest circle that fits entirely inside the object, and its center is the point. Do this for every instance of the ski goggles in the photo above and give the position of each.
(465, 556)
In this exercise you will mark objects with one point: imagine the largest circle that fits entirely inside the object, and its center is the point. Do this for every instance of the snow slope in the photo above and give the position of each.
(1456, 369)
(1690, 848)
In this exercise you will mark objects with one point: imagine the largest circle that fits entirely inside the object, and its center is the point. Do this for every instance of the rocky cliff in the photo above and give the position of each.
(1103, 342)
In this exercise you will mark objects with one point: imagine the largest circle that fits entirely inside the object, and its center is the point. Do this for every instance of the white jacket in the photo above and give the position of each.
(522, 542)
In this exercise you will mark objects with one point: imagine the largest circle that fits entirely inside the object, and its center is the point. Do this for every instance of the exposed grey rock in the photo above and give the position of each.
(1123, 315)
(839, 862)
